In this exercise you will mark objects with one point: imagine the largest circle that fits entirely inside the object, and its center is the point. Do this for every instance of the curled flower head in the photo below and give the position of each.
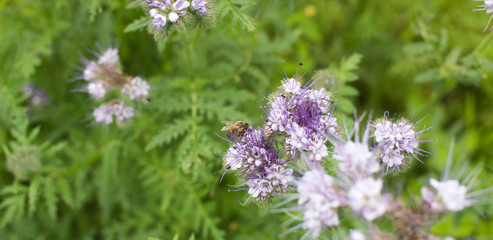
(122, 111)
(137, 88)
(103, 114)
(355, 159)
(280, 177)
(319, 197)
(291, 85)
(259, 188)
(397, 141)
(91, 71)
(450, 196)
(365, 198)
(96, 89)
(200, 6)
(109, 57)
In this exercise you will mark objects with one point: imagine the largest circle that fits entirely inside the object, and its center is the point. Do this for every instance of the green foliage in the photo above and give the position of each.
(64, 177)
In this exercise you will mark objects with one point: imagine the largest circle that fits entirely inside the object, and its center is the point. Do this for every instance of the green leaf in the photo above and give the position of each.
(170, 132)
(238, 17)
(137, 24)
(50, 197)
(33, 194)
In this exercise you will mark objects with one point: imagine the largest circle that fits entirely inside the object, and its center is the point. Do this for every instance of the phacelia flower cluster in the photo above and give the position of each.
(258, 163)
(305, 116)
(290, 154)
(449, 195)
(319, 196)
(105, 81)
(167, 13)
(397, 142)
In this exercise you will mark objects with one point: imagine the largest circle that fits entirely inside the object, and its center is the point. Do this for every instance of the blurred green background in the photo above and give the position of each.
(156, 175)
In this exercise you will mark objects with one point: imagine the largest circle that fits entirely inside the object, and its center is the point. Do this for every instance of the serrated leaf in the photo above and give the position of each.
(65, 191)
(33, 194)
(49, 194)
(238, 17)
(170, 132)
(137, 24)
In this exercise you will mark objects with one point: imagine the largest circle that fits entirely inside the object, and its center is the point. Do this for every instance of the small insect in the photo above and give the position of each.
(235, 126)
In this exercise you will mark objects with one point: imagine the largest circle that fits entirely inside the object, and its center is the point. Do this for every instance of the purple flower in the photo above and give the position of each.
(200, 6)
(365, 198)
(319, 197)
(97, 89)
(104, 114)
(179, 9)
(122, 111)
(259, 188)
(137, 88)
(355, 159)
(109, 57)
(394, 139)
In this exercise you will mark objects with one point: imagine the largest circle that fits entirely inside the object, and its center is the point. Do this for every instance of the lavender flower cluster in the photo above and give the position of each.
(166, 13)
(104, 80)
(288, 157)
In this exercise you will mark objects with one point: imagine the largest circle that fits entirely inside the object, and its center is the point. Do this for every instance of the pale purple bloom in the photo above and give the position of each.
(280, 177)
(291, 85)
(319, 196)
(109, 57)
(96, 89)
(104, 114)
(450, 196)
(122, 111)
(355, 159)
(159, 20)
(365, 198)
(200, 6)
(91, 71)
(259, 188)
(395, 139)
(137, 88)
(356, 235)
(179, 9)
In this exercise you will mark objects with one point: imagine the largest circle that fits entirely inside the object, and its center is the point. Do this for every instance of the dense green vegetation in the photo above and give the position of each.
(62, 176)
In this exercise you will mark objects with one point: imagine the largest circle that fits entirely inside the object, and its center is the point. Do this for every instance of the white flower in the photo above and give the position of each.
(318, 194)
(200, 6)
(104, 114)
(91, 71)
(356, 235)
(355, 159)
(366, 200)
(280, 177)
(109, 57)
(96, 89)
(291, 86)
(233, 161)
(159, 19)
(122, 111)
(137, 88)
(259, 188)
(450, 196)
(179, 8)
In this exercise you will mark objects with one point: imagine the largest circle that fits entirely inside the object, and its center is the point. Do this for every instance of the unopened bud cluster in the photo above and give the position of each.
(106, 83)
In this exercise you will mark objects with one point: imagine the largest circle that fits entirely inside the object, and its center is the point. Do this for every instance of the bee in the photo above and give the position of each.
(235, 126)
